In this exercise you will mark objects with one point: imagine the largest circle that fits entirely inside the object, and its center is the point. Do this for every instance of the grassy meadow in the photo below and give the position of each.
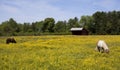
(65, 52)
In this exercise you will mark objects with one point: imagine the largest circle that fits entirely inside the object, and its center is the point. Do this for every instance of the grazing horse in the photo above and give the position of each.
(102, 46)
(10, 40)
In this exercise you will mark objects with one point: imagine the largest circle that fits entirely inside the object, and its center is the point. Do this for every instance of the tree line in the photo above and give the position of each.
(100, 23)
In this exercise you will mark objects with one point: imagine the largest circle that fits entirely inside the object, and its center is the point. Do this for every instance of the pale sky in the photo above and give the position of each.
(37, 10)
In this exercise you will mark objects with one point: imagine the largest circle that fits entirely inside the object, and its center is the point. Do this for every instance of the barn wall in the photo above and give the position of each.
(77, 32)
(82, 32)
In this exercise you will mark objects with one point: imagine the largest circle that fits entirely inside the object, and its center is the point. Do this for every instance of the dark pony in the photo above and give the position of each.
(10, 40)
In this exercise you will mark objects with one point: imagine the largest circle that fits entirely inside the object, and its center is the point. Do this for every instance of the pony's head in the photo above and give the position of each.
(107, 51)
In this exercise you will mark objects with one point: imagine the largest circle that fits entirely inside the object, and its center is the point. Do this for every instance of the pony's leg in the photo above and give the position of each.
(98, 48)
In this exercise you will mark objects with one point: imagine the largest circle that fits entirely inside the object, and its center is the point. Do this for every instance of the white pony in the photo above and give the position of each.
(102, 46)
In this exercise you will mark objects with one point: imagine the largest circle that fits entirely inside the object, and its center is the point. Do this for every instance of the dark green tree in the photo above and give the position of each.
(60, 26)
(27, 27)
(48, 25)
(10, 27)
(87, 23)
(73, 23)
(39, 26)
(100, 22)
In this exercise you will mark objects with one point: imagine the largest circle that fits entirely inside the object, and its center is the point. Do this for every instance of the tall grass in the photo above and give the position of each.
(59, 53)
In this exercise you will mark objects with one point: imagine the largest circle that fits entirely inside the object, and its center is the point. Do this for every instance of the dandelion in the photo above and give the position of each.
(59, 53)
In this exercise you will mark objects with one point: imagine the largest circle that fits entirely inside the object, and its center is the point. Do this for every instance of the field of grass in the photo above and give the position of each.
(59, 53)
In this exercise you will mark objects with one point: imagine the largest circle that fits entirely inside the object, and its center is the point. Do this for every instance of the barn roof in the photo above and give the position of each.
(76, 29)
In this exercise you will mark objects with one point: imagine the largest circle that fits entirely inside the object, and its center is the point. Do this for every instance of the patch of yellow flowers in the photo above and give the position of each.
(59, 53)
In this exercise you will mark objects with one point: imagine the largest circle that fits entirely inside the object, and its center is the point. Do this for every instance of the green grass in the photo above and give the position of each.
(59, 53)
